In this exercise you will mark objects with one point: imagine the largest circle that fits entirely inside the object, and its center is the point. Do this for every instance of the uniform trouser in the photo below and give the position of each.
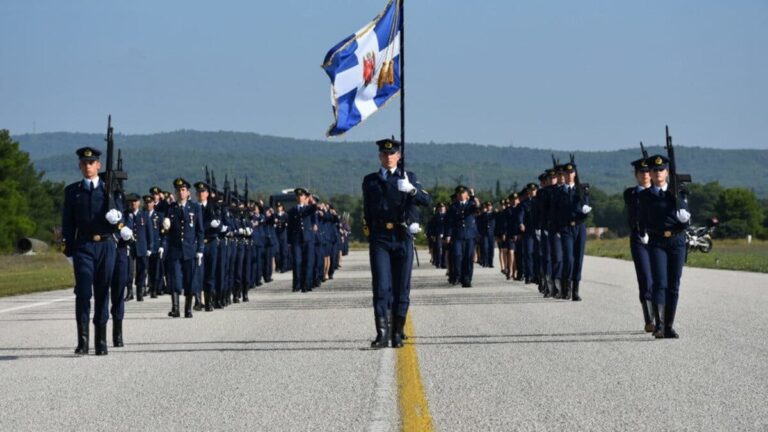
(120, 280)
(667, 259)
(318, 271)
(94, 264)
(574, 240)
(462, 251)
(439, 253)
(238, 268)
(545, 259)
(222, 266)
(249, 270)
(642, 258)
(267, 263)
(155, 274)
(232, 269)
(303, 264)
(391, 263)
(132, 278)
(257, 264)
(142, 263)
(334, 258)
(556, 254)
(181, 273)
(529, 254)
(486, 250)
(210, 258)
(284, 255)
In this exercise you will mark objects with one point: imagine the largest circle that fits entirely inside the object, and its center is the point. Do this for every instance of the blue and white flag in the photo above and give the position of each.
(365, 69)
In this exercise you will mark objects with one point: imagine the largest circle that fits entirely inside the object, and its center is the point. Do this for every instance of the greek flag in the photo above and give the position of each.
(364, 69)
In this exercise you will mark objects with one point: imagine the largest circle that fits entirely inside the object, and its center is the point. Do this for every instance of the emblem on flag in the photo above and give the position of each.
(370, 56)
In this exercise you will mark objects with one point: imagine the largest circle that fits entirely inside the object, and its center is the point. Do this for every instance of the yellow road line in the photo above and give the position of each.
(414, 409)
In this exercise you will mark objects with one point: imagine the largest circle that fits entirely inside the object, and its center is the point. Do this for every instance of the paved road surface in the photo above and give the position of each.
(493, 357)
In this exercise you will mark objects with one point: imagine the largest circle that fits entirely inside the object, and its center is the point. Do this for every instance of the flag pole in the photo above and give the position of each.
(402, 85)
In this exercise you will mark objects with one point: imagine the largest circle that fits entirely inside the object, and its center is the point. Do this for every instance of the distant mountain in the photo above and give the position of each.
(274, 163)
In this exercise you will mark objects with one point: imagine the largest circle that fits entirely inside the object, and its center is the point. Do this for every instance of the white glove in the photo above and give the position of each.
(223, 228)
(683, 215)
(586, 209)
(160, 252)
(215, 223)
(404, 185)
(126, 233)
(199, 257)
(644, 239)
(240, 231)
(538, 234)
(414, 228)
(166, 224)
(113, 216)
(149, 253)
(248, 231)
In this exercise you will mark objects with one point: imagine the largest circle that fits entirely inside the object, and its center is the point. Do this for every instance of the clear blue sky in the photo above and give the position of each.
(569, 74)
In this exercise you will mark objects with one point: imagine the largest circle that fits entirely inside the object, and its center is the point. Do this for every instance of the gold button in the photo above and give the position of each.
(667, 233)
(96, 238)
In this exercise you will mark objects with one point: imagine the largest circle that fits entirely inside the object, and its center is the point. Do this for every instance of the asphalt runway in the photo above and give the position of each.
(493, 357)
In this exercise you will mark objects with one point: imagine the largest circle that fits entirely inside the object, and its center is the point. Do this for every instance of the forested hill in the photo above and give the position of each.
(330, 167)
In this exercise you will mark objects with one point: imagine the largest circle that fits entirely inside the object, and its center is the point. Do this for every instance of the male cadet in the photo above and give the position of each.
(302, 225)
(556, 180)
(271, 250)
(438, 231)
(161, 207)
(211, 228)
(142, 247)
(487, 227)
(155, 220)
(387, 195)
(572, 210)
(121, 273)
(461, 231)
(89, 223)
(281, 224)
(183, 246)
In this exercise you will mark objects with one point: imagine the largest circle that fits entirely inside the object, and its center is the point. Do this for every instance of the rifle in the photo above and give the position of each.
(582, 188)
(555, 162)
(676, 180)
(246, 191)
(207, 176)
(227, 192)
(112, 179)
(642, 149)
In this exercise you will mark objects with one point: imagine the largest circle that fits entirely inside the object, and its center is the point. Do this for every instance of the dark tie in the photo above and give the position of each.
(91, 183)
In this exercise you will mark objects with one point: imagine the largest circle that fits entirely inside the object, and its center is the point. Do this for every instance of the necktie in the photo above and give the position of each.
(92, 186)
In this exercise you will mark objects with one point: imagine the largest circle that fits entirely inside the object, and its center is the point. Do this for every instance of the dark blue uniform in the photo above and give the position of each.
(284, 251)
(462, 229)
(436, 229)
(184, 240)
(207, 272)
(91, 243)
(487, 227)
(390, 246)
(302, 220)
(154, 271)
(667, 252)
(528, 253)
(573, 236)
(640, 253)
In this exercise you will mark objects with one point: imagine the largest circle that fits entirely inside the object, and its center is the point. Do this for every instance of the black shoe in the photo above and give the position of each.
(382, 333)
(117, 333)
(188, 306)
(174, 313)
(152, 294)
(82, 338)
(398, 323)
(246, 299)
(466, 285)
(670, 333)
(100, 341)
(659, 314)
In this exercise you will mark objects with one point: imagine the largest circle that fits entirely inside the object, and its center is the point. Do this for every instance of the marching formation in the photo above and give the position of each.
(540, 232)
(211, 250)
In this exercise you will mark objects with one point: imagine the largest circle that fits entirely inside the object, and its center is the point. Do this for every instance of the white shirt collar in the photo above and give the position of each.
(383, 171)
(87, 182)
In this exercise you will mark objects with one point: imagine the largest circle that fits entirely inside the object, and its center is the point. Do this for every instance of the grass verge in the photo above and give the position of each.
(725, 254)
(28, 274)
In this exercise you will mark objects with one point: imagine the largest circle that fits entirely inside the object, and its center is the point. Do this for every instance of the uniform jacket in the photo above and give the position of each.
(185, 237)
(300, 223)
(84, 213)
(383, 204)
(461, 224)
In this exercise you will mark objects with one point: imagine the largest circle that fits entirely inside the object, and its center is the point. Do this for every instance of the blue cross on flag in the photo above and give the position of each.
(364, 69)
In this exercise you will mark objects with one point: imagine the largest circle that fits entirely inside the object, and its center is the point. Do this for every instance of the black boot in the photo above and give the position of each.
(174, 313)
(575, 289)
(659, 314)
(139, 294)
(647, 311)
(382, 333)
(100, 341)
(398, 323)
(245, 295)
(198, 304)
(556, 288)
(82, 338)
(669, 331)
(117, 333)
(188, 306)
(153, 292)
(129, 293)
(209, 301)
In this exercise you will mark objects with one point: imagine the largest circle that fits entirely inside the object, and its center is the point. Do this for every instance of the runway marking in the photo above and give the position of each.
(36, 304)
(384, 394)
(414, 408)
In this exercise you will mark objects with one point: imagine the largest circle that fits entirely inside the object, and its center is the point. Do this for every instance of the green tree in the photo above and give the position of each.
(739, 208)
(702, 199)
(15, 169)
